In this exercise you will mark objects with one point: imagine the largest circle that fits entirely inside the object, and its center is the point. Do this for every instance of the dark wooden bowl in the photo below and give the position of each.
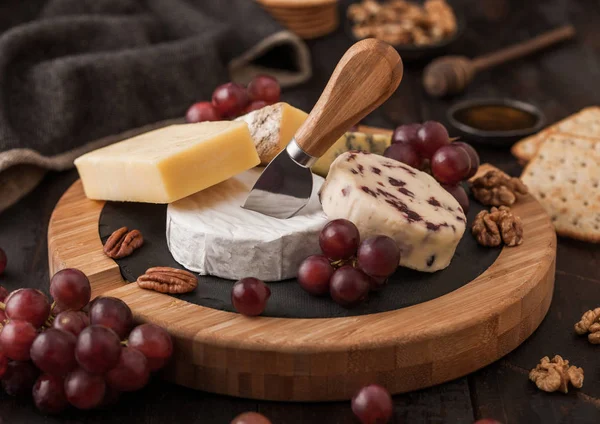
(501, 138)
(414, 53)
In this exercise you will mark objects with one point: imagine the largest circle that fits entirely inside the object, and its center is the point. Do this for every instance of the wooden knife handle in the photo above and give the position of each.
(365, 77)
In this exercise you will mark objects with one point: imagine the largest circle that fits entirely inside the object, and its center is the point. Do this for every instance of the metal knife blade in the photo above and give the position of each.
(285, 185)
(366, 76)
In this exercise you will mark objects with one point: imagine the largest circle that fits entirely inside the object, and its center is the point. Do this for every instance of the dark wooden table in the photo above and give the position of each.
(560, 81)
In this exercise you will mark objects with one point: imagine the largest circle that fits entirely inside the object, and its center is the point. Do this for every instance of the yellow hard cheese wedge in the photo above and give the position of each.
(167, 164)
(372, 143)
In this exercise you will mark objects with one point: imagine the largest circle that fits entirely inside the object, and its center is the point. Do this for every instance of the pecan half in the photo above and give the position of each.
(168, 280)
(123, 242)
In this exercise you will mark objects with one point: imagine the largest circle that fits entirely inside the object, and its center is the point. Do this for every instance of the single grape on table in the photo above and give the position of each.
(230, 99)
(53, 352)
(154, 342)
(378, 256)
(49, 394)
(431, 137)
(450, 164)
(98, 349)
(131, 373)
(201, 112)
(16, 339)
(373, 405)
(70, 289)
(349, 286)
(265, 88)
(339, 239)
(249, 296)
(314, 275)
(84, 390)
(29, 305)
(112, 313)
(19, 378)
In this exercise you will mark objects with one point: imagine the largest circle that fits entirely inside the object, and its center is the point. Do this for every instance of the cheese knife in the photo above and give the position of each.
(366, 76)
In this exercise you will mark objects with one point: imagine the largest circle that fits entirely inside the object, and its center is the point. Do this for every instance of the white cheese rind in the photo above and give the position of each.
(383, 196)
(210, 233)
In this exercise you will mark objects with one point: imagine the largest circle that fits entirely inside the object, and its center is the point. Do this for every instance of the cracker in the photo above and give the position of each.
(585, 123)
(564, 176)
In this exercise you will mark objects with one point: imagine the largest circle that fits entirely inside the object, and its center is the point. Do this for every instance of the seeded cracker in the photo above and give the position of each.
(585, 123)
(565, 177)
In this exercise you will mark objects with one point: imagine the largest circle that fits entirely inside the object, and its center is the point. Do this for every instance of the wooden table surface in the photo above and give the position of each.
(560, 81)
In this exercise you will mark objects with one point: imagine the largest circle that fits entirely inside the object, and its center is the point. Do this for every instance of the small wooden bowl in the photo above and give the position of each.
(498, 122)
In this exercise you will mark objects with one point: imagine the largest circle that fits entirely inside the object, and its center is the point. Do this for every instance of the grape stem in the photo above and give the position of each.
(124, 342)
(2, 306)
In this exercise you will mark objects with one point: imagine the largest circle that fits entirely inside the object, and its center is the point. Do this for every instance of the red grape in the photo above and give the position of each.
(53, 352)
(29, 305)
(404, 153)
(459, 193)
(112, 313)
(131, 373)
(230, 99)
(3, 292)
(255, 105)
(487, 421)
(378, 256)
(349, 286)
(430, 137)
(472, 155)
(377, 283)
(19, 378)
(70, 289)
(373, 405)
(154, 342)
(265, 88)
(201, 112)
(251, 418)
(249, 296)
(84, 390)
(16, 339)
(49, 394)
(98, 349)
(3, 317)
(3, 363)
(3, 261)
(339, 239)
(406, 134)
(72, 321)
(450, 164)
(314, 275)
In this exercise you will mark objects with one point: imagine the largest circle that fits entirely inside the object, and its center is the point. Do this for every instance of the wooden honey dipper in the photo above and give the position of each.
(451, 74)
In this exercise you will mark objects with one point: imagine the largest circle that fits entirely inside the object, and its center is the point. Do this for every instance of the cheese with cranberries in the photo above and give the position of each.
(384, 196)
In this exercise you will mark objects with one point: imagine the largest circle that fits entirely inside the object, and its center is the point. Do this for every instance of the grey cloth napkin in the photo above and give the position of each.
(75, 72)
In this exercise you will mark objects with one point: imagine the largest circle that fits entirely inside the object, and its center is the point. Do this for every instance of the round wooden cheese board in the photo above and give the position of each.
(321, 359)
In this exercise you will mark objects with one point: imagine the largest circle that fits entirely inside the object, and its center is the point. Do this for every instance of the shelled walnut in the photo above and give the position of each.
(495, 188)
(590, 325)
(401, 22)
(498, 226)
(556, 374)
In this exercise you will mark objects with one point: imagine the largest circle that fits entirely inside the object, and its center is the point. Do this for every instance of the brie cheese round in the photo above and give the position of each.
(210, 233)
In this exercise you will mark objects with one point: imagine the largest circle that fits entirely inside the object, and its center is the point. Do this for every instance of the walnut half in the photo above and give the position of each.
(556, 374)
(590, 323)
(498, 226)
(495, 188)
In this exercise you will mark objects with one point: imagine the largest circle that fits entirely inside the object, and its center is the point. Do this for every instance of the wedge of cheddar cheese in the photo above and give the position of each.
(168, 164)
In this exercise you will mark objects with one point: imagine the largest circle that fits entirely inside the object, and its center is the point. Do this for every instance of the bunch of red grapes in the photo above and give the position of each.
(66, 356)
(232, 100)
(429, 145)
(348, 269)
